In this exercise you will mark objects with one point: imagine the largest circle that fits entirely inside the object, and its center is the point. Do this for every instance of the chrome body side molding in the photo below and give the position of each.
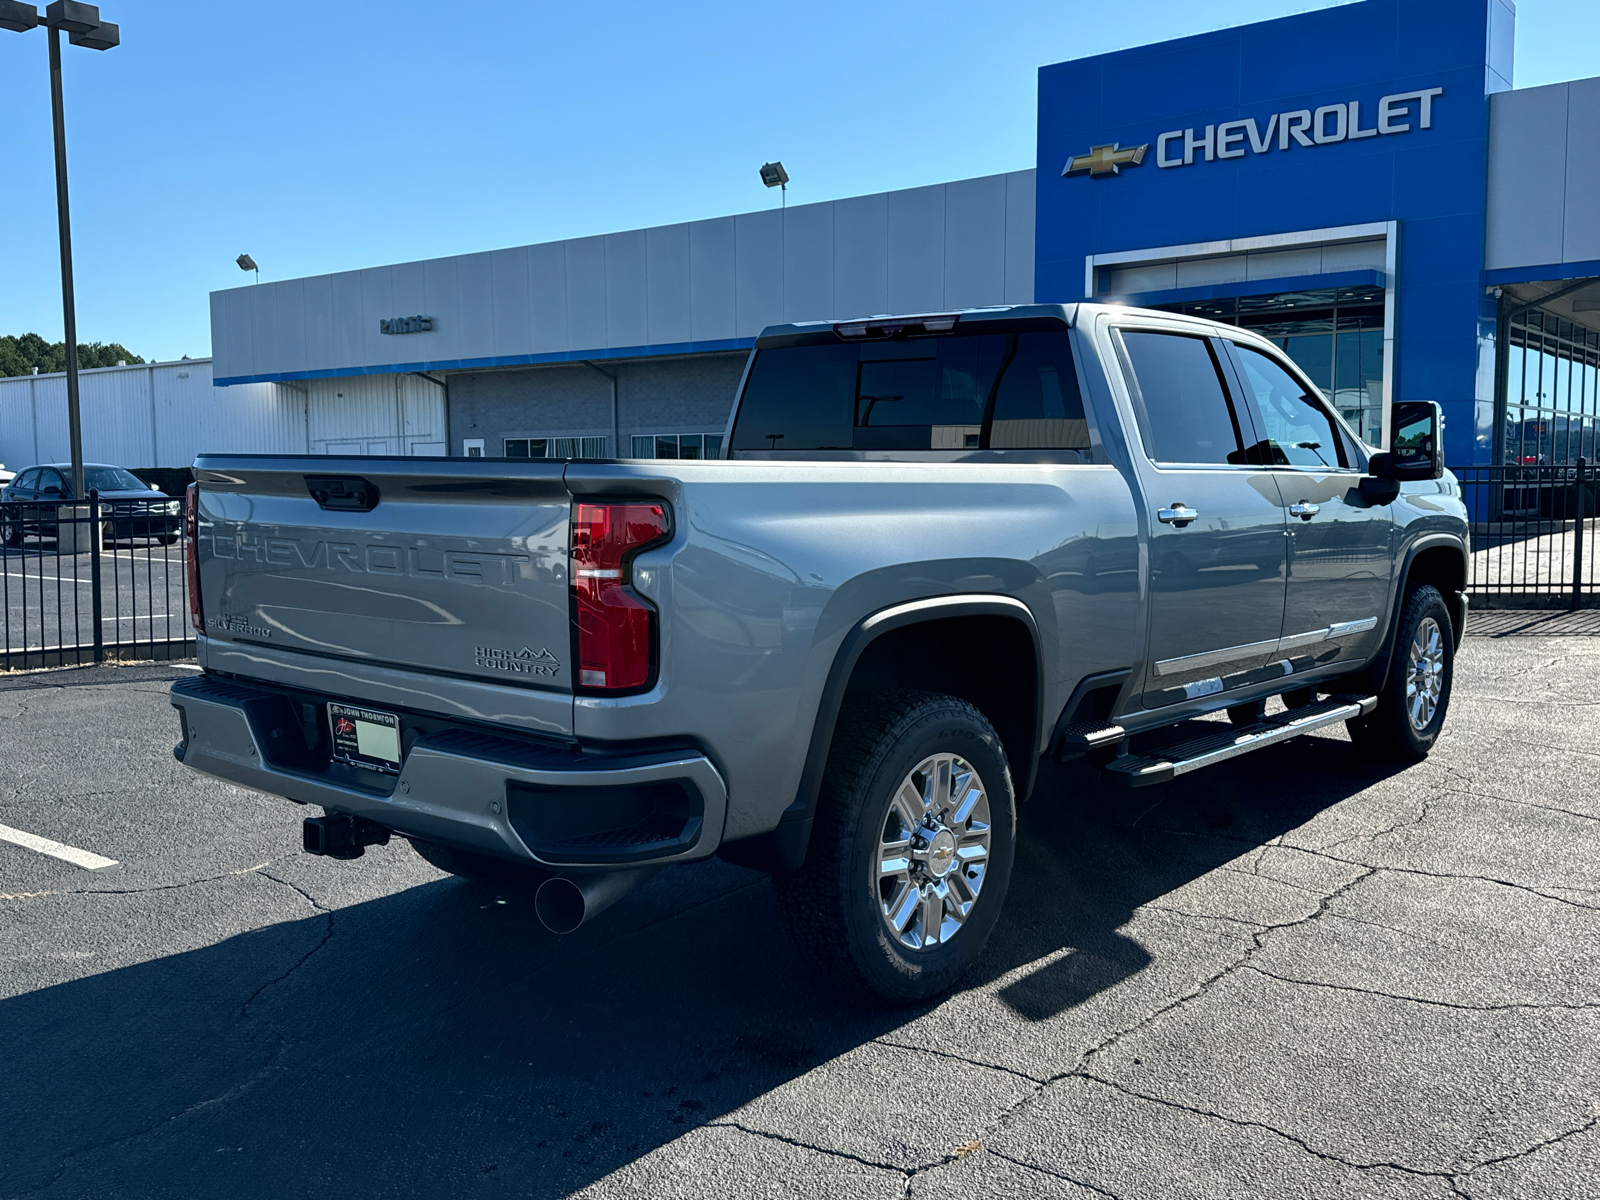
(1210, 658)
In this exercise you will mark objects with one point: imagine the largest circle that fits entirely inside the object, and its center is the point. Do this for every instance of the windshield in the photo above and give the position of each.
(112, 479)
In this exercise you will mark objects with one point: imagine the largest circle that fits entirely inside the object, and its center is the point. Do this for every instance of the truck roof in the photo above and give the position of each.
(995, 319)
(916, 324)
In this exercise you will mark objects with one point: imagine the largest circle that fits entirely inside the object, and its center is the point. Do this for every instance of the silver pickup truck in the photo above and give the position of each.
(936, 549)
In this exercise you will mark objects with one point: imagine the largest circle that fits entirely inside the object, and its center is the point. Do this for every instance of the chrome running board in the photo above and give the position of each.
(1139, 770)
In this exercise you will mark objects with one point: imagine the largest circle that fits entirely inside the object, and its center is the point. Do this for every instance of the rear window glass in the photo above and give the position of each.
(1038, 405)
(799, 398)
(916, 394)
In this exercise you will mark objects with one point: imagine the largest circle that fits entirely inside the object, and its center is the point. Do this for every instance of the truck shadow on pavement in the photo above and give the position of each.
(1090, 855)
(438, 1042)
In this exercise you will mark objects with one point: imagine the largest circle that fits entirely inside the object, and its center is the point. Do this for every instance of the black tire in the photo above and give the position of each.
(13, 532)
(1389, 731)
(1247, 714)
(834, 905)
(167, 539)
(482, 868)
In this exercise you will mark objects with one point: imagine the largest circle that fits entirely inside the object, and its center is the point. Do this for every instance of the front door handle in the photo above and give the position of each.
(1304, 510)
(1180, 514)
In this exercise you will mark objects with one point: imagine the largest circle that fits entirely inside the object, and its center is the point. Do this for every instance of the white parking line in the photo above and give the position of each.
(51, 579)
(71, 854)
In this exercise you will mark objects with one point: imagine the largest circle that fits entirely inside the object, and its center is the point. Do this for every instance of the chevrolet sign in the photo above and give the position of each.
(1329, 124)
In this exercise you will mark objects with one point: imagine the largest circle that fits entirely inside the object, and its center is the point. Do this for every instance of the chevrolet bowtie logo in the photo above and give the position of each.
(1106, 160)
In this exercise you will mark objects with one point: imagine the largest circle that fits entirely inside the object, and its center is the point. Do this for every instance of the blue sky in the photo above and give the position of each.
(325, 137)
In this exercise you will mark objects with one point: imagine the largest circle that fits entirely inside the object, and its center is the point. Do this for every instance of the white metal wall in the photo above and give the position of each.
(690, 286)
(166, 414)
(376, 414)
(192, 418)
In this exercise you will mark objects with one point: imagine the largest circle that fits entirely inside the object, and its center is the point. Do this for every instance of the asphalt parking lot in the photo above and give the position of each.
(47, 598)
(1294, 975)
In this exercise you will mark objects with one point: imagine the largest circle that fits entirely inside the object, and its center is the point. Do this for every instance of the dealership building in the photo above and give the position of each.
(1360, 184)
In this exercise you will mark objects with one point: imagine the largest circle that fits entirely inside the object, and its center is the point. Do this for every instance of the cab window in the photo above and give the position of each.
(1296, 429)
(1185, 415)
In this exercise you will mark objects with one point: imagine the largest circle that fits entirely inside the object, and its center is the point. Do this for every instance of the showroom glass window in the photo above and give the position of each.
(677, 445)
(1552, 391)
(557, 447)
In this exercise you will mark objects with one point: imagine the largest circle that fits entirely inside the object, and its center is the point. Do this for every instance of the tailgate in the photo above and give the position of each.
(457, 568)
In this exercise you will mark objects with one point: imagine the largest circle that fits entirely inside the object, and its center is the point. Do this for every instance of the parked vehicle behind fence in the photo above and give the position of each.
(129, 508)
(936, 550)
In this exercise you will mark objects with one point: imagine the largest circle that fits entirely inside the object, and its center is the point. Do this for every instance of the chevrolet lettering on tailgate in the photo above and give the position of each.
(370, 559)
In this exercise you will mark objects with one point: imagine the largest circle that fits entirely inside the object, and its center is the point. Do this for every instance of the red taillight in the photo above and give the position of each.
(615, 626)
(191, 554)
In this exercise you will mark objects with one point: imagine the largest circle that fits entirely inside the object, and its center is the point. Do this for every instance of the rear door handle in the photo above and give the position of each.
(1180, 514)
(1304, 510)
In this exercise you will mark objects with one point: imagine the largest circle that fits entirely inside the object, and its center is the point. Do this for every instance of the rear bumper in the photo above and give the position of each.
(477, 791)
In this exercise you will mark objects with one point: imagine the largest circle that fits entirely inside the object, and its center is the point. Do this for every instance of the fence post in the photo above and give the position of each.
(1577, 540)
(94, 571)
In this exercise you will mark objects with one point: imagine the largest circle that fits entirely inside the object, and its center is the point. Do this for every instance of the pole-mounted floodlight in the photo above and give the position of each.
(19, 18)
(773, 175)
(83, 27)
(246, 263)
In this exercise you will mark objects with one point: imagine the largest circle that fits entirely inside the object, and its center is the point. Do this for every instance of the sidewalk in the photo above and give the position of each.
(1519, 622)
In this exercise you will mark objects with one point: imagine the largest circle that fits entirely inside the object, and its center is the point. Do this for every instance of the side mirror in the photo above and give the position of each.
(53, 490)
(1416, 451)
(1416, 444)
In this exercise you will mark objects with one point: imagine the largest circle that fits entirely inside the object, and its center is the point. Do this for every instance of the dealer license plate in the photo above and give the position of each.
(365, 737)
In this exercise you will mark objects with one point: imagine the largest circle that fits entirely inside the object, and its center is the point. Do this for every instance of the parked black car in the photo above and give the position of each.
(129, 508)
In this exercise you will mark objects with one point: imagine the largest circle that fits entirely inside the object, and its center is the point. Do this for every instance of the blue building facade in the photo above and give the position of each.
(1320, 178)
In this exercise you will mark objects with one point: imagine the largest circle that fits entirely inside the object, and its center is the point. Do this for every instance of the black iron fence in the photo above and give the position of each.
(1533, 535)
(86, 582)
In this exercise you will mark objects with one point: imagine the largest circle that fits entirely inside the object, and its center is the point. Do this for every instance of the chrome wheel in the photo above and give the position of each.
(934, 852)
(1424, 674)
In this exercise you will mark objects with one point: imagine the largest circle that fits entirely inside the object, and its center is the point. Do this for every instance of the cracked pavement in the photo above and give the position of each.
(1298, 974)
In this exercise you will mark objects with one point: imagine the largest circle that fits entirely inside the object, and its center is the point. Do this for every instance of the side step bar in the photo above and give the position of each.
(1138, 770)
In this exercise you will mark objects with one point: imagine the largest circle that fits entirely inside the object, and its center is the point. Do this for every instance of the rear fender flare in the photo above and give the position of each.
(784, 848)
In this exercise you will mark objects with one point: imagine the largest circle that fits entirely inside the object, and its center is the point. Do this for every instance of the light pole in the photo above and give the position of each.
(84, 28)
(246, 263)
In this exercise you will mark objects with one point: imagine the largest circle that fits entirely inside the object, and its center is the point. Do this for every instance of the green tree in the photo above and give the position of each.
(20, 355)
